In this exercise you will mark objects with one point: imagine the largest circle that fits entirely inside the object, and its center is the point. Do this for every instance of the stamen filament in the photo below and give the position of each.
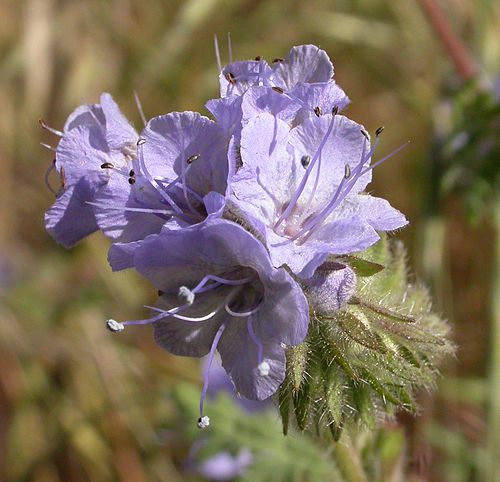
(229, 48)
(244, 314)
(254, 338)
(131, 209)
(204, 421)
(218, 279)
(303, 182)
(139, 108)
(47, 173)
(174, 314)
(156, 185)
(340, 194)
(50, 148)
(217, 53)
(50, 129)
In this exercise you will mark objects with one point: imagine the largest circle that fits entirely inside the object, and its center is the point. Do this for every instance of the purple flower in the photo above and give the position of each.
(220, 291)
(293, 88)
(224, 466)
(94, 136)
(301, 189)
(178, 179)
(220, 382)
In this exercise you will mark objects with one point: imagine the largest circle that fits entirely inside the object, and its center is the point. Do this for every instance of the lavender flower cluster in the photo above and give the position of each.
(232, 219)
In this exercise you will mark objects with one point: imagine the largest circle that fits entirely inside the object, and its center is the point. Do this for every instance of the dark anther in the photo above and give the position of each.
(131, 173)
(347, 171)
(278, 59)
(364, 133)
(258, 58)
(107, 165)
(335, 110)
(305, 160)
(379, 131)
(63, 178)
(231, 78)
(317, 111)
(278, 89)
(141, 141)
(160, 292)
(191, 159)
(131, 180)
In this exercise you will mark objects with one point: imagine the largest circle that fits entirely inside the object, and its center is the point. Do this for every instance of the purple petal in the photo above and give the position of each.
(377, 212)
(240, 358)
(116, 209)
(305, 63)
(70, 218)
(188, 338)
(223, 466)
(237, 77)
(119, 132)
(174, 138)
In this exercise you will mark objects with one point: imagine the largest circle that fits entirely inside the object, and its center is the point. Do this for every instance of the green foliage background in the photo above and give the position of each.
(77, 404)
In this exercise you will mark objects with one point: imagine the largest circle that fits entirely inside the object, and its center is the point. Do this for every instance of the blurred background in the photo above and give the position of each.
(79, 404)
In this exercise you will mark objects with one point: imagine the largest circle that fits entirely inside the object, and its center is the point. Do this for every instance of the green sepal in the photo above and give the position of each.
(296, 357)
(354, 324)
(364, 404)
(362, 267)
(284, 395)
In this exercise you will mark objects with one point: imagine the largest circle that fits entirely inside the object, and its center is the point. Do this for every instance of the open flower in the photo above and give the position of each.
(301, 189)
(94, 136)
(292, 88)
(220, 292)
(178, 178)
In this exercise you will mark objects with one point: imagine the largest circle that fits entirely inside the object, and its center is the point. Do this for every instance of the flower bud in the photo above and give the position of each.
(330, 288)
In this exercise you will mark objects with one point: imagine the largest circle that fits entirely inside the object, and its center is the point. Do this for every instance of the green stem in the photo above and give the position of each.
(348, 460)
(493, 438)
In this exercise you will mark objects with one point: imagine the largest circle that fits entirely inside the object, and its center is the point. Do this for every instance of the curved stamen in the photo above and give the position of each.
(154, 183)
(164, 212)
(229, 48)
(340, 194)
(47, 174)
(50, 148)
(139, 108)
(305, 178)
(92, 114)
(50, 129)
(217, 53)
(184, 168)
(175, 181)
(166, 314)
(254, 338)
(218, 279)
(204, 421)
(245, 313)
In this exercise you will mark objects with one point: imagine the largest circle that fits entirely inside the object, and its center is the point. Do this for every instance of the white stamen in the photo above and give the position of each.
(114, 326)
(139, 108)
(263, 369)
(203, 422)
(50, 129)
(229, 48)
(217, 53)
(185, 295)
(48, 147)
